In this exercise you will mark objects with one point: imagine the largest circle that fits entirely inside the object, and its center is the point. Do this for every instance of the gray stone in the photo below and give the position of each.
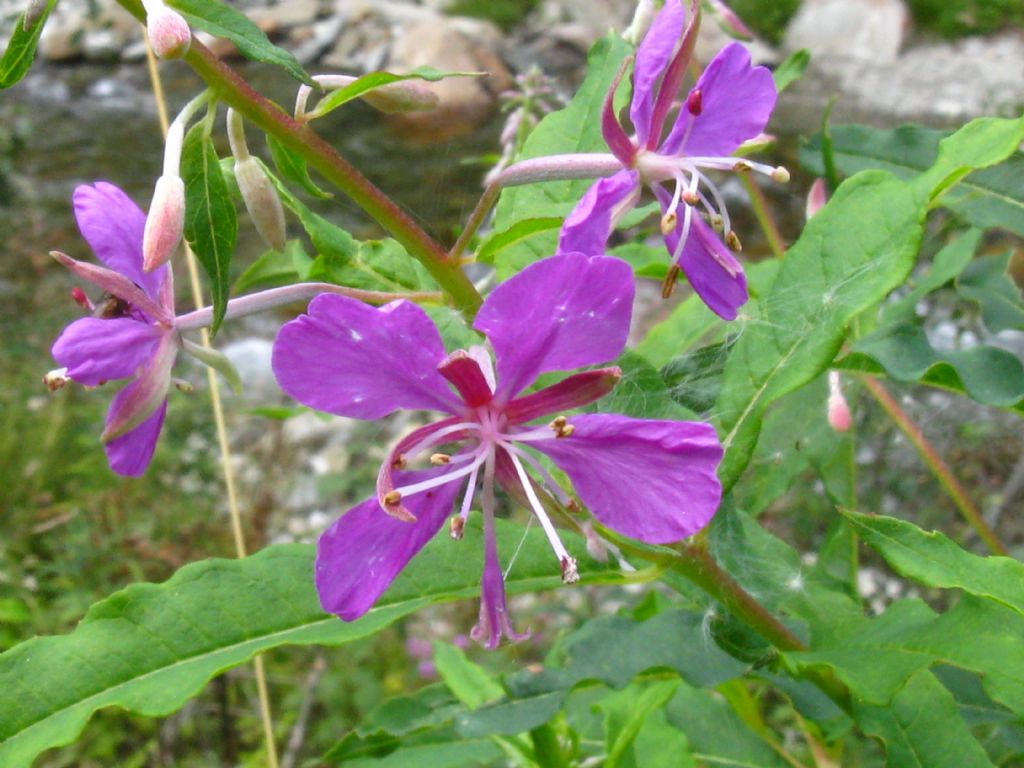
(859, 29)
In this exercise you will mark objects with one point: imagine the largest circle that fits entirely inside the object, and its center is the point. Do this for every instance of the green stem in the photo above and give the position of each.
(476, 218)
(764, 217)
(546, 749)
(935, 463)
(229, 87)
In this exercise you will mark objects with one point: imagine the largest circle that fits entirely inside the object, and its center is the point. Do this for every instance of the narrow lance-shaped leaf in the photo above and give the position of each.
(210, 222)
(221, 20)
(936, 561)
(374, 80)
(172, 638)
(21, 48)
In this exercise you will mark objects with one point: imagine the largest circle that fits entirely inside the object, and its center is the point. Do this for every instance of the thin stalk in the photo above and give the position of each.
(764, 216)
(938, 467)
(222, 435)
(476, 218)
(229, 87)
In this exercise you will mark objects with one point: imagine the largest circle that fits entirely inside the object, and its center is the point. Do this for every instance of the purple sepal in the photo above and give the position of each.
(652, 56)
(96, 350)
(587, 227)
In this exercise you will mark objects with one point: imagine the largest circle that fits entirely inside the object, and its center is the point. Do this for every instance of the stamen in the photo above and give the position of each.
(570, 573)
(393, 497)
(399, 461)
(56, 379)
(467, 502)
(668, 222)
(694, 102)
(691, 198)
(559, 426)
(733, 241)
(549, 483)
(181, 385)
(438, 437)
(456, 527)
(79, 297)
(718, 208)
(684, 233)
(549, 530)
(780, 175)
(669, 285)
(439, 459)
(742, 166)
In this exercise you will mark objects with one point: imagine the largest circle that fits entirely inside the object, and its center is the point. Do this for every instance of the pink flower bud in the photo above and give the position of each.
(165, 222)
(262, 201)
(839, 417)
(729, 21)
(168, 31)
(403, 96)
(816, 197)
(33, 13)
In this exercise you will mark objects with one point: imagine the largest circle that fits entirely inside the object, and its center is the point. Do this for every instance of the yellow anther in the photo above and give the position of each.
(456, 526)
(733, 241)
(437, 459)
(670, 281)
(742, 166)
(392, 498)
(668, 222)
(690, 197)
(780, 175)
(398, 462)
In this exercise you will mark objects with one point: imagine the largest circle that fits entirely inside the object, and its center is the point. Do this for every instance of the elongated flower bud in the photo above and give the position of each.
(403, 96)
(33, 13)
(839, 417)
(164, 223)
(816, 197)
(168, 31)
(262, 201)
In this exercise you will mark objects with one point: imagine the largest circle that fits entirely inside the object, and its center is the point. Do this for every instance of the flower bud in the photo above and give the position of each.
(164, 223)
(839, 417)
(402, 96)
(168, 31)
(33, 13)
(816, 197)
(262, 201)
(729, 22)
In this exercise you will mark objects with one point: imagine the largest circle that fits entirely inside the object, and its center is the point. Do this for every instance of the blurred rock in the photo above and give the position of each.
(871, 30)
(94, 29)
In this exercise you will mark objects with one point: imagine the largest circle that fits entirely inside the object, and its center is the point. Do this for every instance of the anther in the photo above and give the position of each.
(690, 197)
(780, 175)
(733, 241)
(742, 166)
(56, 379)
(694, 102)
(392, 499)
(557, 423)
(398, 462)
(438, 459)
(670, 281)
(570, 573)
(456, 527)
(566, 431)
(79, 297)
(560, 427)
(182, 386)
(668, 223)
(716, 222)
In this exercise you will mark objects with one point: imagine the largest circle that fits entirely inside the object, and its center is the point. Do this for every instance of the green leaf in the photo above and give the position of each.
(993, 197)
(275, 268)
(947, 264)
(688, 323)
(377, 265)
(374, 80)
(987, 281)
(641, 393)
(575, 128)
(605, 650)
(717, 735)
(517, 233)
(695, 378)
(859, 247)
(922, 727)
(935, 560)
(210, 223)
(988, 375)
(626, 711)
(293, 168)
(876, 659)
(791, 69)
(223, 21)
(150, 647)
(470, 682)
(981, 143)
(21, 48)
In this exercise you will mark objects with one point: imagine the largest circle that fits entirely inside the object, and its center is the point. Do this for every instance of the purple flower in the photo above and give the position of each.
(131, 333)
(652, 480)
(729, 104)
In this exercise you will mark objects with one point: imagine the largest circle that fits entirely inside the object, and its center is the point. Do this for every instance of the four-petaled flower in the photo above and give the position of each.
(729, 104)
(131, 332)
(648, 479)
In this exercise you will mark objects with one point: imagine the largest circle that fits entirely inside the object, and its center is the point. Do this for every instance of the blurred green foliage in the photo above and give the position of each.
(504, 13)
(957, 18)
(768, 18)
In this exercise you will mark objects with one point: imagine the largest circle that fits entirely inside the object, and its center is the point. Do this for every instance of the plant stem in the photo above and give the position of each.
(764, 216)
(935, 463)
(229, 87)
(222, 436)
(476, 218)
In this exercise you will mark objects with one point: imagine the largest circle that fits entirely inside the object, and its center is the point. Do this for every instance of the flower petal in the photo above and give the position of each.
(652, 57)
(160, 309)
(736, 101)
(95, 350)
(559, 313)
(359, 555)
(651, 480)
(349, 358)
(129, 455)
(587, 228)
(113, 224)
(714, 273)
(137, 402)
(494, 621)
